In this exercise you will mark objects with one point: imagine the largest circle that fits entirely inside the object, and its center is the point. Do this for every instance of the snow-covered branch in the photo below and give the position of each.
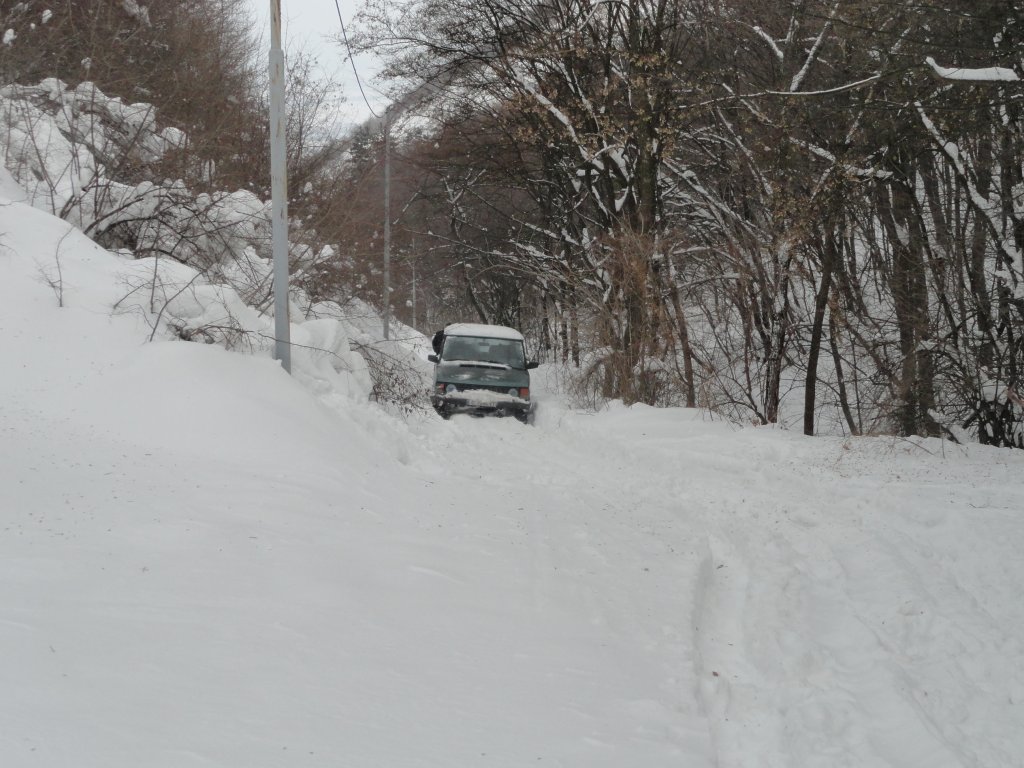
(798, 78)
(980, 75)
(986, 208)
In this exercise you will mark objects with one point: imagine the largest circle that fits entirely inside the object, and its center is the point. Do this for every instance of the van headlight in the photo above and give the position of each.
(451, 389)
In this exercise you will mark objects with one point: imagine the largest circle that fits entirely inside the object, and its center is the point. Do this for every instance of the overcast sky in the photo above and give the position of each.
(311, 25)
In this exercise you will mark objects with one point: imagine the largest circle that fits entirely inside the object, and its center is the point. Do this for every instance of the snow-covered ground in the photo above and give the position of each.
(205, 562)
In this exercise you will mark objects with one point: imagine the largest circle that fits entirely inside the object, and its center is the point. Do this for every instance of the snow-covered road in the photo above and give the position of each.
(793, 601)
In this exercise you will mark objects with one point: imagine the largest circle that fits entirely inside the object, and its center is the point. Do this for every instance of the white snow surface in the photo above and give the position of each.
(206, 562)
(977, 74)
(481, 330)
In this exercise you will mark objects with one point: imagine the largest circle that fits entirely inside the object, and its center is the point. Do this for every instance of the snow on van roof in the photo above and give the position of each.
(482, 331)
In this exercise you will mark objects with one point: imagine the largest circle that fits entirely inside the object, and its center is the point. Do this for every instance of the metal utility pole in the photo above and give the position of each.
(279, 192)
(387, 222)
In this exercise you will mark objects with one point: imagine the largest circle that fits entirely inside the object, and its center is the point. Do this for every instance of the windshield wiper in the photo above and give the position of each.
(483, 364)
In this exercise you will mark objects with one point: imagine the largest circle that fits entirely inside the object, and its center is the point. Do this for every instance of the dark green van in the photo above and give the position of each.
(481, 370)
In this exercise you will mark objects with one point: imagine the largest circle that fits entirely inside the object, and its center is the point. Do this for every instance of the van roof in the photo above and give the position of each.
(480, 330)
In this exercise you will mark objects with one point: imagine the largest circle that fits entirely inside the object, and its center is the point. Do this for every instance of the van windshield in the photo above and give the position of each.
(484, 350)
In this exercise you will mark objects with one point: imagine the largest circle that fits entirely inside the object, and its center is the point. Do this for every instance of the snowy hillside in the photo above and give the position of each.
(206, 562)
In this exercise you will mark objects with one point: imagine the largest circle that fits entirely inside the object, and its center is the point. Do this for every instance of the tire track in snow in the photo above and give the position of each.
(831, 610)
(778, 556)
(603, 538)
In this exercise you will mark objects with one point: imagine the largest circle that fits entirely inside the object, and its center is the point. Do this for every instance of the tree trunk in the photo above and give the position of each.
(828, 260)
(775, 352)
(684, 341)
(910, 301)
(844, 399)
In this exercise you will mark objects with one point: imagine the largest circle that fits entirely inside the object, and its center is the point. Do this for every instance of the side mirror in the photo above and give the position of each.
(531, 365)
(433, 358)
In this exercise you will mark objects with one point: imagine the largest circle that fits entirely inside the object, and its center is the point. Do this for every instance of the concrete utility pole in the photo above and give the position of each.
(279, 192)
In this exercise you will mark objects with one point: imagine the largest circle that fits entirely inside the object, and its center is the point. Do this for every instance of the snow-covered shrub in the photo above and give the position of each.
(76, 151)
(91, 160)
(398, 372)
(399, 380)
(202, 270)
(654, 380)
(59, 141)
(48, 164)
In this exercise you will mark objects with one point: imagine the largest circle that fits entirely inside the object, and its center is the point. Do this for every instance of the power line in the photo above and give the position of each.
(386, 293)
(352, 60)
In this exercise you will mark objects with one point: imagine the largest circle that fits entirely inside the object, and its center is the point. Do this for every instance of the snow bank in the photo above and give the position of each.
(201, 264)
